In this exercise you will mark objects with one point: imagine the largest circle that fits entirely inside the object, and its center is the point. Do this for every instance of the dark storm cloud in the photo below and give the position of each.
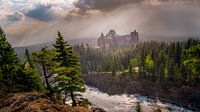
(109, 5)
(42, 13)
(101, 5)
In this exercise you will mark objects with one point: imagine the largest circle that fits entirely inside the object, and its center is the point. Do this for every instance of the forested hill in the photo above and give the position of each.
(155, 61)
(151, 60)
(150, 68)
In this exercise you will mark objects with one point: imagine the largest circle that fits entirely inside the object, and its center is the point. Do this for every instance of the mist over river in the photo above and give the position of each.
(126, 103)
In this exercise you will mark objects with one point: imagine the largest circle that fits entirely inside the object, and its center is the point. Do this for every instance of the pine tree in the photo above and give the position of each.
(68, 59)
(28, 77)
(142, 73)
(15, 76)
(29, 59)
(193, 63)
(45, 59)
(9, 63)
(130, 68)
(113, 70)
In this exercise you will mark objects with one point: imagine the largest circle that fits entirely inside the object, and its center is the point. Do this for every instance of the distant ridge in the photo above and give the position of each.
(32, 48)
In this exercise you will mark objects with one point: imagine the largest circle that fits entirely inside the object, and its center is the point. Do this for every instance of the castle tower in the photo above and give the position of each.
(101, 41)
(135, 36)
(102, 35)
(112, 33)
(113, 39)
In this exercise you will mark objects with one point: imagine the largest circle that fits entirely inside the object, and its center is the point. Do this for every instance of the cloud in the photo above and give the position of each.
(102, 5)
(40, 21)
(42, 13)
(15, 17)
(21, 18)
(105, 6)
(18, 32)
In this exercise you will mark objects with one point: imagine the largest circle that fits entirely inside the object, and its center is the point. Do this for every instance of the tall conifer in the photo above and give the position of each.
(9, 63)
(68, 58)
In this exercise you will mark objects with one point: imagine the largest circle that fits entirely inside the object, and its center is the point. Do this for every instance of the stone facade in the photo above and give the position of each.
(112, 39)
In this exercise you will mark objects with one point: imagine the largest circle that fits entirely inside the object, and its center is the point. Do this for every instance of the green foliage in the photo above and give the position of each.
(84, 102)
(149, 62)
(9, 63)
(29, 59)
(192, 63)
(156, 61)
(16, 76)
(28, 79)
(134, 62)
(113, 70)
(60, 68)
(132, 66)
(130, 69)
(61, 79)
(70, 61)
(45, 58)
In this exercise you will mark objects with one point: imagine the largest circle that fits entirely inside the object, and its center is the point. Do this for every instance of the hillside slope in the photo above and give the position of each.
(34, 102)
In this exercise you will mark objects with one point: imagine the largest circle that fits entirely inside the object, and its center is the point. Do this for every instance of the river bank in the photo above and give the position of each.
(126, 102)
(183, 96)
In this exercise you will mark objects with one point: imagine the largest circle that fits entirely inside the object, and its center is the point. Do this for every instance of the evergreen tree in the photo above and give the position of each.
(29, 59)
(68, 59)
(9, 63)
(130, 68)
(149, 65)
(28, 78)
(171, 70)
(158, 62)
(142, 73)
(113, 70)
(193, 63)
(15, 76)
(45, 58)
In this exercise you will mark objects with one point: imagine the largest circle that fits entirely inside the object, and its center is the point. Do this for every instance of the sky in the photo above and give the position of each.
(29, 22)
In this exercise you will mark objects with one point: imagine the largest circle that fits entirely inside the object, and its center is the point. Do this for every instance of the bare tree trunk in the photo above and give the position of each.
(46, 80)
(73, 98)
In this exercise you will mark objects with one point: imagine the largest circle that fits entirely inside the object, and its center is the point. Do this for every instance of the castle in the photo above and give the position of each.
(112, 39)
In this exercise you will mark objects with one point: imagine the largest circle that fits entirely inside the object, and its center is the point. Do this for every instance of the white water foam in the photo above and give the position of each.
(126, 103)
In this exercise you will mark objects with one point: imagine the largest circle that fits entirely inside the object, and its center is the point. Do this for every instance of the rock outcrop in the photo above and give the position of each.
(35, 102)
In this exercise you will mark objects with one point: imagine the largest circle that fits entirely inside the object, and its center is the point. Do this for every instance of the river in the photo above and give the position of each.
(126, 103)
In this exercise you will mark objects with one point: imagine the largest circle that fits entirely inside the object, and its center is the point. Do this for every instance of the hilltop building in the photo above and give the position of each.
(112, 39)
